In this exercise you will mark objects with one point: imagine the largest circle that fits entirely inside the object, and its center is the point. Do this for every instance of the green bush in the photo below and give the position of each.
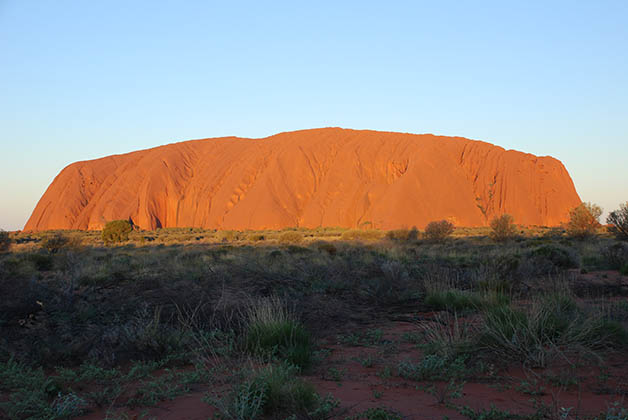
(584, 220)
(438, 231)
(503, 228)
(5, 241)
(618, 220)
(290, 237)
(116, 231)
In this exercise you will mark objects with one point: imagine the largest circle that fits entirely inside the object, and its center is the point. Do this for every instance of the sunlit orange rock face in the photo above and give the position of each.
(310, 178)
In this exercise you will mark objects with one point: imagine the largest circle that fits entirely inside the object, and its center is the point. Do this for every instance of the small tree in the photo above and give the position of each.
(584, 220)
(503, 228)
(618, 220)
(438, 231)
(116, 231)
(5, 241)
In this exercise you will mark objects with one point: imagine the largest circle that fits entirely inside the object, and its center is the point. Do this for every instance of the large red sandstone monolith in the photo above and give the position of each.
(310, 178)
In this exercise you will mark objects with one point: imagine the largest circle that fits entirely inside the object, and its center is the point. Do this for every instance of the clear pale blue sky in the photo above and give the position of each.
(85, 79)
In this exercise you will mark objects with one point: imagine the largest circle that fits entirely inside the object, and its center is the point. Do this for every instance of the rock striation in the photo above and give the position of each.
(309, 178)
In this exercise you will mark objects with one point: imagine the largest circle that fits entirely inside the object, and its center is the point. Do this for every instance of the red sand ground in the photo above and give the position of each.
(310, 178)
(359, 388)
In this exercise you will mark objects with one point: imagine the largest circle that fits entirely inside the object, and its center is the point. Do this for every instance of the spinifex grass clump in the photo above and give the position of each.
(273, 332)
(448, 336)
(461, 300)
(453, 299)
(443, 293)
(551, 326)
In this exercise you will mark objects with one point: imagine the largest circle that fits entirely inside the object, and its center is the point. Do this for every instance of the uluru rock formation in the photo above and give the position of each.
(309, 178)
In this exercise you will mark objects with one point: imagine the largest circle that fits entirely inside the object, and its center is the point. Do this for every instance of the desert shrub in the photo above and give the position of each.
(256, 237)
(393, 285)
(272, 331)
(614, 412)
(433, 367)
(548, 259)
(361, 235)
(271, 390)
(327, 247)
(5, 241)
(559, 256)
(43, 262)
(616, 255)
(55, 242)
(403, 234)
(490, 414)
(290, 237)
(618, 220)
(438, 231)
(228, 236)
(584, 220)
(34, 395)
(377, 413)
(604, 333)
(499, 273)
(503, 228)
(147, 335)
(116, 231)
